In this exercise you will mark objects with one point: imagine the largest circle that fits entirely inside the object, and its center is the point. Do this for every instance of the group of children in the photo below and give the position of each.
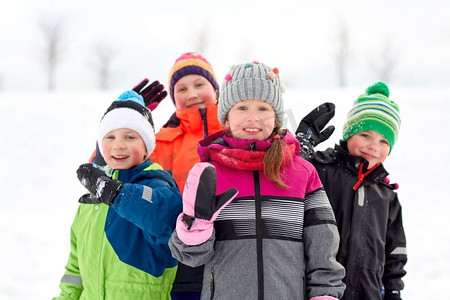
(222, 203)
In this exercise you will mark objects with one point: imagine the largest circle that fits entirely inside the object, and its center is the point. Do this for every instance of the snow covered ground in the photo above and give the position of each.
(45, 137)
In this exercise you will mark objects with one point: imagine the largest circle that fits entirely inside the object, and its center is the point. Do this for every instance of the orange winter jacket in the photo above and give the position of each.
(177, 141)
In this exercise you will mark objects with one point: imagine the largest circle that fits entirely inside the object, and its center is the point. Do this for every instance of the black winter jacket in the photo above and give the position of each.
(373, 245)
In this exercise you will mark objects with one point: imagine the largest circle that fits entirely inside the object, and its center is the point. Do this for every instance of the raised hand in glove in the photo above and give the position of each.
(153, 94)
(98, 183)
(201, 205)
(312, 124)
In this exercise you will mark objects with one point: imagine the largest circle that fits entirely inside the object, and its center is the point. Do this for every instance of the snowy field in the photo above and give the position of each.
(45, 137)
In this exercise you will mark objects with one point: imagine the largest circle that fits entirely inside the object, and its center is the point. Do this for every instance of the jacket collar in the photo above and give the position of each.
(193, 119)
(121, 174)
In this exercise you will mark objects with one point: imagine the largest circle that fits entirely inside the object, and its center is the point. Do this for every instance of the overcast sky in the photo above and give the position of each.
(299, 37)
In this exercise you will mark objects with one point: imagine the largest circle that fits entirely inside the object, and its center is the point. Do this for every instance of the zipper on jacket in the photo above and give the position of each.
(211, 286)
(205, 121)
(259, 229)
(361, 175)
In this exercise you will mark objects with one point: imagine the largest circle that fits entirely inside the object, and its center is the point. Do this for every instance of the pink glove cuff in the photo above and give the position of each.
(199, 233)
(323, 298)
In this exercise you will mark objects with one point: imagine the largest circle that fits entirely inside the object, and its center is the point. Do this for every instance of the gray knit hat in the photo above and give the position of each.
(251, 81)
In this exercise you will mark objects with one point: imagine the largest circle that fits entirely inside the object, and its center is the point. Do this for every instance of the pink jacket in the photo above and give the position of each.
(281, 242)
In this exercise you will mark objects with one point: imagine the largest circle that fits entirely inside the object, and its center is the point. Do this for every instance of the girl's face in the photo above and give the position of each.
(251, 119)
(123, 148)
(369, 144)
(194, 91)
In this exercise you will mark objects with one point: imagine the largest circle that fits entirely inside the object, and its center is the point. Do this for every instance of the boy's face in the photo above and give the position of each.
(194, 91)
(251, 119)
(369, 144)
(123, 148)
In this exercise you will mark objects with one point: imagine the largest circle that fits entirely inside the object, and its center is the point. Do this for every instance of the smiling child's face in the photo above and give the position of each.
(369, 144)
(251, 119)
(194, 91)
(123, 148)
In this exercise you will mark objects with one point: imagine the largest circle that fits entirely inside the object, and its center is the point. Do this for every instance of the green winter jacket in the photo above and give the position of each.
(115, 250)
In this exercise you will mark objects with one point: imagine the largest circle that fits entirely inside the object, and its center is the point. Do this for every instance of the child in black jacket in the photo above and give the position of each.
(368, 213)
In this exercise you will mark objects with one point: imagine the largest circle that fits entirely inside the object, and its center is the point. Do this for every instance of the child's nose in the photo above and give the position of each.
(192, 94)
(372, 146)
(252, 116)
(119, 145)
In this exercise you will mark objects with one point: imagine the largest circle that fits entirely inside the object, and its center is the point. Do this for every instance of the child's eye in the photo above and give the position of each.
(385, 142)
(182, 89)
(199, 84)
(364, 135)
(263, 108)
(130, 137)
(241, 108)
(109, 137)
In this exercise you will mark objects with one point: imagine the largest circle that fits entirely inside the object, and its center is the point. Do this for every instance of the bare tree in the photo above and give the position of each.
(343, 52)
(52, 31)
(386, 62)
(103, 57)
(199, 38)
(202, 39)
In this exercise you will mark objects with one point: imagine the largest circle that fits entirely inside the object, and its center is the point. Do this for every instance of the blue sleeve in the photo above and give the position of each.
(152, 205)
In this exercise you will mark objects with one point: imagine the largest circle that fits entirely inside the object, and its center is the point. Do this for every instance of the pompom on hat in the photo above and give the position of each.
(253, 80)
(374, 111)
(128, 111)
(191, 63)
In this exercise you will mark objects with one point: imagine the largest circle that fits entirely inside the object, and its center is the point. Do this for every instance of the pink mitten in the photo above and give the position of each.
(201, 205)
(323, 298)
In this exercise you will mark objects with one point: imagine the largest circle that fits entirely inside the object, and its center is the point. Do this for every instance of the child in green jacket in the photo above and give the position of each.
(119, 238)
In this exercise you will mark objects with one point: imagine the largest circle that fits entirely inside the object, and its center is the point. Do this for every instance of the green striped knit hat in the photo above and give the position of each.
(374, 111)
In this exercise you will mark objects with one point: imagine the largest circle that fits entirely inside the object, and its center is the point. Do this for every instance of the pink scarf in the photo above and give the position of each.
(247, 159)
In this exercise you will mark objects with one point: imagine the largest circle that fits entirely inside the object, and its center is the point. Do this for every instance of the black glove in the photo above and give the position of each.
(89, 199)
(392, 295)
(311, 125)
(98, 183)
(152, 94)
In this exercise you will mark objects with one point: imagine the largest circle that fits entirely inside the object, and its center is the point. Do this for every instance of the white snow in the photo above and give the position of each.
(45, 137)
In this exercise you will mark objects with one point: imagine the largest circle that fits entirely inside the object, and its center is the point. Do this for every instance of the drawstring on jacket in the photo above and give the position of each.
(361, 175)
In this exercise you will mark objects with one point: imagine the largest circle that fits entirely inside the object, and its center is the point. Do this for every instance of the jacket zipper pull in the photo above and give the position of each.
(358, 183)
(361, 175)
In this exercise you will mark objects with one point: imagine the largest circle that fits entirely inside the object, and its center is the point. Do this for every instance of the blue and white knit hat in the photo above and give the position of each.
(129, 111)
(374, 111)
(253, 80)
